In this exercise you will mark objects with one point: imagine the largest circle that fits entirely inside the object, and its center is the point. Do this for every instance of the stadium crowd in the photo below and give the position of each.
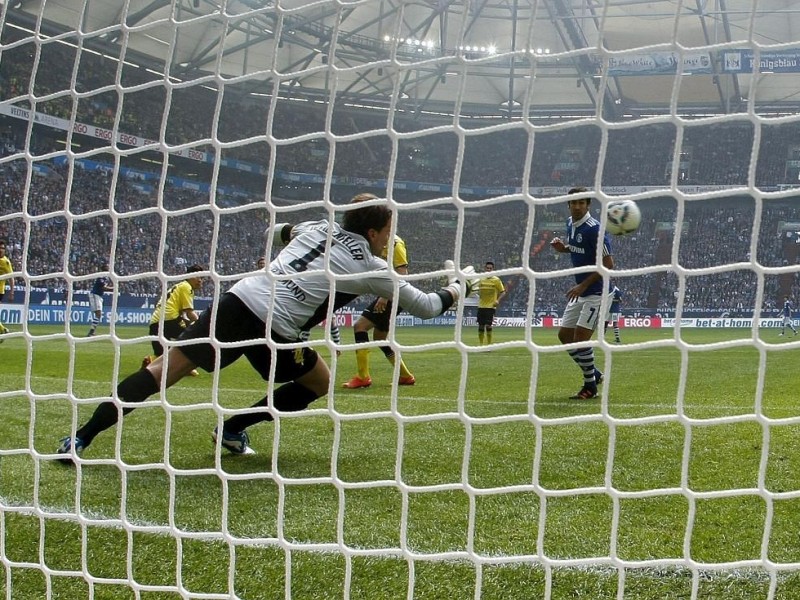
(710, 153)
(78, 221)
(146, 237)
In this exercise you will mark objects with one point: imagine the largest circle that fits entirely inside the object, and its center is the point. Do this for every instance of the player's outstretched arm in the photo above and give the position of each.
(415, 301)
(427, 305)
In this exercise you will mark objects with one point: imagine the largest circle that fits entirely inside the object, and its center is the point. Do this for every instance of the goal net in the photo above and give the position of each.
(142, 139)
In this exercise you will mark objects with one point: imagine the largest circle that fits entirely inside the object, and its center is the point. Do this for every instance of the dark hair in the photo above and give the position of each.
(361, 220)
(489, 262)
(194, 269)
(581, 190)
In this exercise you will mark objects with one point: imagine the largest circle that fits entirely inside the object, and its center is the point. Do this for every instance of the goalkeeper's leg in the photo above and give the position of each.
(290, 397)
(134, 388)
(147, 381)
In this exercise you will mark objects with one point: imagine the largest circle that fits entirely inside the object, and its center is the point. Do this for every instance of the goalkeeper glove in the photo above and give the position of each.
(471, 282)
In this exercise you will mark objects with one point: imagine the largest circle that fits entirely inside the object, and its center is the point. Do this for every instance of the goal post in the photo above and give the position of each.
(140, 140)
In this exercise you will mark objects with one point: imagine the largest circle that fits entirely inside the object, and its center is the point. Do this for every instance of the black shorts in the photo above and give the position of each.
(380, 320)
(486, 316)
(237, 323)
(172, 331)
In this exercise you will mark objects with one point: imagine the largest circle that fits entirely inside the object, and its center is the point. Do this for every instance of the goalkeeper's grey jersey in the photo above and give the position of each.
(293, 293)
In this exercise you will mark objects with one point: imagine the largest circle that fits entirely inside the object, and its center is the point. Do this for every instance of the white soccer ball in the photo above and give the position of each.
(624, 217)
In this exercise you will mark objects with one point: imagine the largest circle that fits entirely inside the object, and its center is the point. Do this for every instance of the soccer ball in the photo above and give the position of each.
(624, 217)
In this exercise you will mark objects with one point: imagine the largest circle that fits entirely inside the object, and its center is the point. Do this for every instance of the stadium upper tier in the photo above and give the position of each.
(585, 58)
(304, 137)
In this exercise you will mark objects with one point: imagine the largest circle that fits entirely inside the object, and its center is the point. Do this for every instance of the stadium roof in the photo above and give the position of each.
(549, 57)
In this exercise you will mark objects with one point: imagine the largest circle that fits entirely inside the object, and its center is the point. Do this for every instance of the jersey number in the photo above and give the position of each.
(301, 264)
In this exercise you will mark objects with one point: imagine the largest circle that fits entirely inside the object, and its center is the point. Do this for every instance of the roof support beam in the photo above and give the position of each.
(141, 14)
(620, 95)
(246, 26)
(425, 27)
(514, 23)
(408, 82)
(714, 67)
(726, 25)
(564, 20)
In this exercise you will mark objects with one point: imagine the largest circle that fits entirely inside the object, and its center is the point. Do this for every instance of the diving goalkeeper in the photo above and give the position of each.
(289, 297)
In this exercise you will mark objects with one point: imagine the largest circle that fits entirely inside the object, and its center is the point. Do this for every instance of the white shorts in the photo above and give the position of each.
(614, 317)
(787, 321)
(582, 312)
(95, 302)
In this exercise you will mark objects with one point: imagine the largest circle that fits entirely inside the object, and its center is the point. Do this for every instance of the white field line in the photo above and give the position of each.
(363, 394)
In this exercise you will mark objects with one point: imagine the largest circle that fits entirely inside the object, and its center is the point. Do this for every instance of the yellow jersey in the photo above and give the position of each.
(5, 266)
(180, 297)
(5, 269)
(489, 291)
(400, 254)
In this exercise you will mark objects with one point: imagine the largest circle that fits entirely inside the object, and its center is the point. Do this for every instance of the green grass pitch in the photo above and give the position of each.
(463, 485)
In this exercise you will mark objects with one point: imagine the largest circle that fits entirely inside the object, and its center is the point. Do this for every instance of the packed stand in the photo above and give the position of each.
(147, 232)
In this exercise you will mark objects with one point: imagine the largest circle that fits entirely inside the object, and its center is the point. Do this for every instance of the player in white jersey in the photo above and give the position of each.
(274, 308)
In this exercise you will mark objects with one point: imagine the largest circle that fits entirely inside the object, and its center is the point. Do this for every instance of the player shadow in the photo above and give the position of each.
(553, 406)
(290, 464)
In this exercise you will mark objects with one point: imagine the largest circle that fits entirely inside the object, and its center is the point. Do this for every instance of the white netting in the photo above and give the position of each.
(142, 139)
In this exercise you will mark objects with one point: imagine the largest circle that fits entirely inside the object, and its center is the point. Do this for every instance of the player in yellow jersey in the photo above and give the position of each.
(177, 313)
(491, 292)
(6, 269)
(377, 316)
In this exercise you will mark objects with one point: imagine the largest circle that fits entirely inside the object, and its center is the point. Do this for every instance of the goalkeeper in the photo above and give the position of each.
(292, 295)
